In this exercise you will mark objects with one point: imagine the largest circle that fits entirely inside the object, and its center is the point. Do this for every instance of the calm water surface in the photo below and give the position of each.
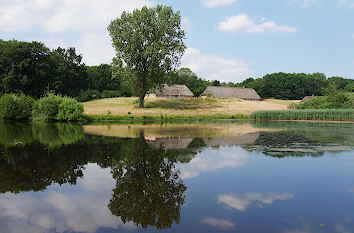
(264, 177)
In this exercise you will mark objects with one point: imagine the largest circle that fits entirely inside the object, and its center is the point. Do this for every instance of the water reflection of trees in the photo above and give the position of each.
(148, 191)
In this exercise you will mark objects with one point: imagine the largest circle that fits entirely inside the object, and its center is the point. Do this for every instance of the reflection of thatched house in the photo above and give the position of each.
(306, 98)
(171, 143)
(232, 92)
(173, 91)
(244, 139)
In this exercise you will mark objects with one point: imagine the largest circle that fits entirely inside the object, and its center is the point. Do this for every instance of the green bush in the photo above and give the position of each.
(47, 108)
(88, 95)
(15, 107)
(110, 94)
(57, 108)
(70, 110)
(338, 101)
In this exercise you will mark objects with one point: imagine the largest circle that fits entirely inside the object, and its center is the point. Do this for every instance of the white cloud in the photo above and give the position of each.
(85, 211)
(303, 3)
(212, 67)
(352, 35)
(213, 160)
(222, 224)
(187, 24)
(243, 23)
(242, 202)
(347, 3)
(86, 19)
(216, 3)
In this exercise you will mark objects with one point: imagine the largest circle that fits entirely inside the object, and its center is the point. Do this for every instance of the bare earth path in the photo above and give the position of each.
(193, 107)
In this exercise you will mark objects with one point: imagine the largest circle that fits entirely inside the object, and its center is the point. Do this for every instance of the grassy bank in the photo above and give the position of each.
(308, 114)
(163, 118)
(124, 108)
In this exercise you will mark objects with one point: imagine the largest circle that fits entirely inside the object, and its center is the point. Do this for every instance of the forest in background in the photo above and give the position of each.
(34, 69)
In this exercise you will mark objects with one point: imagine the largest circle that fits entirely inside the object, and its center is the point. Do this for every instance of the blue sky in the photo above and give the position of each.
(228, 40)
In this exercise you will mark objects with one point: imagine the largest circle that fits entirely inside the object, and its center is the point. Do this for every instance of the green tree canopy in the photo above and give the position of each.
(149, 191)
(149, 43)
(32, 69)
(24, 67)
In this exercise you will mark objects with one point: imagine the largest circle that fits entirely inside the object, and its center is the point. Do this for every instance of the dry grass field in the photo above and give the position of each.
(181, 107)
(152, 131)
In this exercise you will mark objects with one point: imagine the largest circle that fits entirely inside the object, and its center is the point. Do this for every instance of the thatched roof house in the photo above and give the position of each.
(171, 143)
(306, 98)
(232, 92)
(173, 91)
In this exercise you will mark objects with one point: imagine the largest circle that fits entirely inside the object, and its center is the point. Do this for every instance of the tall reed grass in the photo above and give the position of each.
(307, 114)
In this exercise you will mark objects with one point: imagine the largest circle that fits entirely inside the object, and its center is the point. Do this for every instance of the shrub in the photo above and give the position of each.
(70, 110)
(338, 101)
(88, 95)
(47, 108)
(25, 106)
(57, 108)
(110, 94)
(15, 107)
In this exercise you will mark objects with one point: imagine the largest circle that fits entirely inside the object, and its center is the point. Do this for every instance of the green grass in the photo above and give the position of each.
(308, 114)
(187, 103)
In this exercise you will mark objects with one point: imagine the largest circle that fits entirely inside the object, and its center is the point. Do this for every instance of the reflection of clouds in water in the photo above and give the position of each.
(222, 224)
(213, 159)
(242, 202)
(302, 226)
(342, 229)
(85, 211)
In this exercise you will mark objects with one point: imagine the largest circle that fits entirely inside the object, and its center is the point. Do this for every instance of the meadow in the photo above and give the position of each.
(193, 107)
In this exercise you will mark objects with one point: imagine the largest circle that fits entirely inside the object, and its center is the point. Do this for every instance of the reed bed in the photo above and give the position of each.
(308, 114)
(163, 118)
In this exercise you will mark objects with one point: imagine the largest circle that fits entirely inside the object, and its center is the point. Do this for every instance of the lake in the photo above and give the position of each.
(242, 176)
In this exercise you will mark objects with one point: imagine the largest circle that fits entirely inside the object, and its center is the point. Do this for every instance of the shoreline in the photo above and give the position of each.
(179, 119)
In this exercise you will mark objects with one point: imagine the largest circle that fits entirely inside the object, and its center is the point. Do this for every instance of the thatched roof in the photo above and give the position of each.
(173, 90)
(232, 92)
(171, 143)
(306, 98)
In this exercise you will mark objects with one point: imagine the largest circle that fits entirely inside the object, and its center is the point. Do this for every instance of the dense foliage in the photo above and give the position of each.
(148, 43)
(338, 101)
(34, 69)
(297, 85)
(15, 107)
(57, 108)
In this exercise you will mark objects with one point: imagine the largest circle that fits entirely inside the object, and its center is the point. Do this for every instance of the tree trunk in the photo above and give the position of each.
(143, 91)
(141, 100)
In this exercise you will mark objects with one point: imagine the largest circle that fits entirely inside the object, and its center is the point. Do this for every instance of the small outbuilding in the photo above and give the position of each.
(232, 92)
(306, 98)
(173, 91)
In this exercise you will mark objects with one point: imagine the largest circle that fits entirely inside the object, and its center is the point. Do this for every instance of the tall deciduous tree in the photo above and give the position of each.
(149, 43)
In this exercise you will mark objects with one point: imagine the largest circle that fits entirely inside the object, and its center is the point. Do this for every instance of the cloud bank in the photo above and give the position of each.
(80, 23)
(212, 67)
(241, 203)
(243, 23)
(216, 3)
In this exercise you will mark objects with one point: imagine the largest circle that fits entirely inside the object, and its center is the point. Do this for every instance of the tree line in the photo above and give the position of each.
(34, 69)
